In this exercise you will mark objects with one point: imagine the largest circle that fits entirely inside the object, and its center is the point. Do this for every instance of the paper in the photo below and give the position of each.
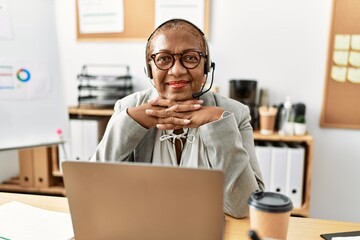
(342, 42)
(6, 31)
(355, 42)
(19, 221)
(354, 58)
(191, 10)
(354, 75)
(338, 73)
(341, 57)
(98, 16)
(345, 238)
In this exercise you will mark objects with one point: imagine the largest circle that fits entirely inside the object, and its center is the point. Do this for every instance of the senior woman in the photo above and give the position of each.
(178, 123)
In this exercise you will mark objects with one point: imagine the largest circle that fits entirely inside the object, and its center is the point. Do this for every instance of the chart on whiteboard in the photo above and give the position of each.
(24, 79)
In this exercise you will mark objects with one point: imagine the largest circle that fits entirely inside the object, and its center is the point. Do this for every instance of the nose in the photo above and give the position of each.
(177, 69)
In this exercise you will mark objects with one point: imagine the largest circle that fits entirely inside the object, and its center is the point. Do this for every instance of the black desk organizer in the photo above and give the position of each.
(99, 85)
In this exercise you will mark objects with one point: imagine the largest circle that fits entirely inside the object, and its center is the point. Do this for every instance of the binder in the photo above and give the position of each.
(85, 135)
(26, 168)
(263, 154)
(54, 155)
(90, 138)
(295, 174)
(278, 168)
(64, 153)
(76, 139)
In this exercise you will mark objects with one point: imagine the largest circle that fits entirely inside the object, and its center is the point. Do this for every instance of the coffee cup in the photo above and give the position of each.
(269, 214)
(267, 120)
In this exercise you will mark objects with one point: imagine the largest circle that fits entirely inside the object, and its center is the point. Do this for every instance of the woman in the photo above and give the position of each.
(167, 125)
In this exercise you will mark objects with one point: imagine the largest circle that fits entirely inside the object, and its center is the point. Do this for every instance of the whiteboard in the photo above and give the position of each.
(33, 111)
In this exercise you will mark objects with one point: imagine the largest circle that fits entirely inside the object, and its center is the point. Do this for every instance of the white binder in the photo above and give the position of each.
(295, 174)
(76, 139)
(85, 135)
(263, 154)
(278, 168)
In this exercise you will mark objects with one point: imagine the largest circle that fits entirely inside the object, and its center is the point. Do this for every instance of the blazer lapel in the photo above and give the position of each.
(144, 151)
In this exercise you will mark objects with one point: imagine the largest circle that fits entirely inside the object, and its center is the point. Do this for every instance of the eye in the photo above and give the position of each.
(191, 57)
(163, 58)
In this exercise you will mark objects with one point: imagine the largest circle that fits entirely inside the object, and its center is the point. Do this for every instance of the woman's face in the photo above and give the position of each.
(177, 83)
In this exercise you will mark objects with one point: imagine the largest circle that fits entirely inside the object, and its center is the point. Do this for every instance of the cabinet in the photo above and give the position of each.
(39, 168)
(307, 142)
(37, 172)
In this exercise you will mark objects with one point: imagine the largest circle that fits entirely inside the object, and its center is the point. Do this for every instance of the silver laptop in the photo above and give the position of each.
(137, 201)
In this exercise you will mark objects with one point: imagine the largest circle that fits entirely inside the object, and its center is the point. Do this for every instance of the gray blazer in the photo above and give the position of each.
(229, 145)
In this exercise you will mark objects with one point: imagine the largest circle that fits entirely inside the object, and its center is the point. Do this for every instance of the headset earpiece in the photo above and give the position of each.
(207, 64)
(148, 71)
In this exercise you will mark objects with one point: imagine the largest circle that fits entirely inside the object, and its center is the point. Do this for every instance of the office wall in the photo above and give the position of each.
(280, 43)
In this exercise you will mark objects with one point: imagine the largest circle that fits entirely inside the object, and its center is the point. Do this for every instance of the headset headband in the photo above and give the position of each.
(174, 20)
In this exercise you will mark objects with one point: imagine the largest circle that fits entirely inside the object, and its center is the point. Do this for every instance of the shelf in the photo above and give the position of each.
(307, 141)
(13, 185)
(91, 111)
(276, 137)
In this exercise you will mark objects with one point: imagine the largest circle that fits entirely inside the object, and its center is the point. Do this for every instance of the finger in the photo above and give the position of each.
(176, 110)
(174, 121)
(169, 126)
(162, 102)
(182, 108)
(191, 101)
(163, 113)
(159, 101)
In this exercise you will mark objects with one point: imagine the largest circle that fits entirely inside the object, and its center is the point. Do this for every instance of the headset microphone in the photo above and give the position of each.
(199, 94)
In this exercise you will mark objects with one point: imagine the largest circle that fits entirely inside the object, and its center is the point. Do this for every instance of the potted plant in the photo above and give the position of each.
(300, 125)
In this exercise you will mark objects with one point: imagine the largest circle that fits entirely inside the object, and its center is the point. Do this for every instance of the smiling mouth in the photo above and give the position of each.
(178, 84)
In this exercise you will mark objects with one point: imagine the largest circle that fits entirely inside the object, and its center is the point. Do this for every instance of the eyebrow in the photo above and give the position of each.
(186, 50)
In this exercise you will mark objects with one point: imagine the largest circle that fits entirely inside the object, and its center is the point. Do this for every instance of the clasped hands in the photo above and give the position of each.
(170, 115)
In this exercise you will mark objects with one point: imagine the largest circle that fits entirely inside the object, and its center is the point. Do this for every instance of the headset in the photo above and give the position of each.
(207, 66)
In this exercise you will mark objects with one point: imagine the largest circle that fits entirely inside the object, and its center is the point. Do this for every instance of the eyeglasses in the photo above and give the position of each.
(189, 59)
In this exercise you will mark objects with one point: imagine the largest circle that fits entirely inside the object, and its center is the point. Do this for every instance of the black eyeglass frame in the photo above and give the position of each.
(200, 53)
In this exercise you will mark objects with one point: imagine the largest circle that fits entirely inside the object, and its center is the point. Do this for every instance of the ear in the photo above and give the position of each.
(203, 81)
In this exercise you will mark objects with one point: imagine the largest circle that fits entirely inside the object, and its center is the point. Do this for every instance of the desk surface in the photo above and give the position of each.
(299, 228)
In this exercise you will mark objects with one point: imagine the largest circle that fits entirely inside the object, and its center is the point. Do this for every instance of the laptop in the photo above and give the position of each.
(134, 201)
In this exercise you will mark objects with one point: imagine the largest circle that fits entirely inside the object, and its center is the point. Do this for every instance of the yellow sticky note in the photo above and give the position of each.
(354, 75)
(338, 73)
(342, 42)
(354, 58)
(355, 42)
(340, 57)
